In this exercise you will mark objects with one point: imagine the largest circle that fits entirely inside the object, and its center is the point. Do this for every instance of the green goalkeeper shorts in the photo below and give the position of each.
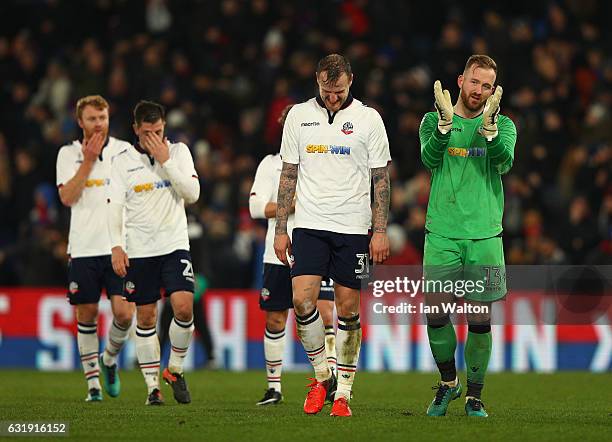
(472, 268)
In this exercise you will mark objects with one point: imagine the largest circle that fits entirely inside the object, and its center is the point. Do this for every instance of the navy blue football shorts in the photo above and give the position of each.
(147, 276)
(88, 276)
(277, 294)
(342, 257)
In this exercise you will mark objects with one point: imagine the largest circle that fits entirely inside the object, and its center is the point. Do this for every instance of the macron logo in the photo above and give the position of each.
(314, 123)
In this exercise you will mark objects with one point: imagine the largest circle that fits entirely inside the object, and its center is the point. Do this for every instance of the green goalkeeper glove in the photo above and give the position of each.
(490, 115)
(444, 107)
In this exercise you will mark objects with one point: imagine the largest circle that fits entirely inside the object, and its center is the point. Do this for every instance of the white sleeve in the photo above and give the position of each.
(65, 166)
(182, 174)
(117, 190)
(290, 148)
(378, 143)
(263, 189)
(115, 224)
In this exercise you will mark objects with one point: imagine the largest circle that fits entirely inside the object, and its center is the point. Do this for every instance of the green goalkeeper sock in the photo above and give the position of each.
(477, 354)
(443, 343)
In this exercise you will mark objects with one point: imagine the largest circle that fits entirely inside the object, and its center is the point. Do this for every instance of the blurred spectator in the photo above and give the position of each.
(6, 228)
(402, 251)
(24, 182)
(549, 253)
(54, 91)
(580, 235)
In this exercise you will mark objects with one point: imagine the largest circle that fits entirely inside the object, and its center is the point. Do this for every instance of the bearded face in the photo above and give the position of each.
(476, 85)
(94, 120)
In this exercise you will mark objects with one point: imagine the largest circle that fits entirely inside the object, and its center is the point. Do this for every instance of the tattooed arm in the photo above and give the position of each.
(382, 193)
(379, 245)
(286, 191)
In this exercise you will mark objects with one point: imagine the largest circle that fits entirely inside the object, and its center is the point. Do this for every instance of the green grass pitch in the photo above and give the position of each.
(386, 406)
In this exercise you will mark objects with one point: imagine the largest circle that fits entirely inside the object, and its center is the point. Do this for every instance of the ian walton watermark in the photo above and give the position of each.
(413, 288)
(571, 295)
(448, 308)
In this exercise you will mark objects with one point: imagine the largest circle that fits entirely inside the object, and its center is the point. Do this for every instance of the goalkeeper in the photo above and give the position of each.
(467, 147)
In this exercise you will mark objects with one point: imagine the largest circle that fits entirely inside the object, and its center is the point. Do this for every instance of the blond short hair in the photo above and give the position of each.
(96, 101)
(482, 61)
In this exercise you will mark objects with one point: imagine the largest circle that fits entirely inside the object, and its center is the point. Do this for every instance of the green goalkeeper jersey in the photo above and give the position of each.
(467, 197)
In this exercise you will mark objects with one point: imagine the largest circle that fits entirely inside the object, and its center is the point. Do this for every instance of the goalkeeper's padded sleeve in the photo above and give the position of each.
(433, 142)
(500, 149)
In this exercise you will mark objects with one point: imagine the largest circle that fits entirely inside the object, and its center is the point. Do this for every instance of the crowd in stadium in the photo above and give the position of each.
(225, 71)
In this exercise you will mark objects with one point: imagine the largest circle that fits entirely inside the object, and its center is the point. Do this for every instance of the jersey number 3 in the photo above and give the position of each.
(363, 262)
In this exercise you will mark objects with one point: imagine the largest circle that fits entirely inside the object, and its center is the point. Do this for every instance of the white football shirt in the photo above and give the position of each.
(154, 214)
(88, 216)
(335, 156)
(265, 190)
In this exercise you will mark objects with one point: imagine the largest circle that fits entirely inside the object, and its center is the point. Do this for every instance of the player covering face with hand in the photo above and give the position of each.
(467, 147)
(83, 177)
(151, 183)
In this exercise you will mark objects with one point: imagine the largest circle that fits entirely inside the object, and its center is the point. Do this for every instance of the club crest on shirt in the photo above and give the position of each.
(347, 128)
(265, 294)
